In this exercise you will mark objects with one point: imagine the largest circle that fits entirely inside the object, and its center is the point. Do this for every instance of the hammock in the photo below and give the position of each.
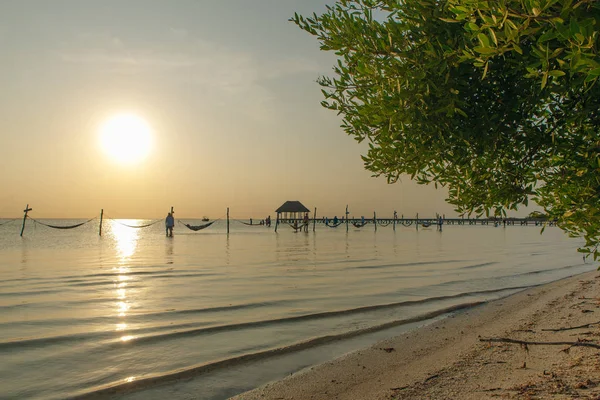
(359, 224)
(197, 227)
(7, 222)
(249, 224)
(381, 223)
(61, 227)
(297, 227)
(136, 226)
(425, 224)
(334, 225)
(406, 223)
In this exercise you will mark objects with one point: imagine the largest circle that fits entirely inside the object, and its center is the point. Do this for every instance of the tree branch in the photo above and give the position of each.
(573, 344)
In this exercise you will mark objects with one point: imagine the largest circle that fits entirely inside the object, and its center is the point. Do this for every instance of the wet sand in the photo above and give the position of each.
(449, 360)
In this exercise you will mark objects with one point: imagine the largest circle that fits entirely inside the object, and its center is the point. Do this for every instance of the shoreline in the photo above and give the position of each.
(447, 359)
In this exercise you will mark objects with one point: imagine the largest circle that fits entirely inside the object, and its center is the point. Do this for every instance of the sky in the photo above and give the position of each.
(228, 90)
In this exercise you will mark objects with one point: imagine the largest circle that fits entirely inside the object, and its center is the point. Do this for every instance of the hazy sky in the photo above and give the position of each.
(228, 88)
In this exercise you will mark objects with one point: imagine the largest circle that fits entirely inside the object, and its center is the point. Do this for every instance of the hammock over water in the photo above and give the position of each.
(8, 222)
(197, 227)
(61, 226)
(359, 224)
(137, 226)
(249, 224)
(296, 227)
(332, 225)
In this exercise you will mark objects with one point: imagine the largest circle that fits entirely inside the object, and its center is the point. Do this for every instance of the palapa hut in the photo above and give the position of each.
(291, 210)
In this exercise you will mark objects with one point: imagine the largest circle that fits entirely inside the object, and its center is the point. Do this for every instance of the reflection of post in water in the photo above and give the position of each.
(279, 248)
(347, 243)
(395, 243)
(227, 255)
(24, 254)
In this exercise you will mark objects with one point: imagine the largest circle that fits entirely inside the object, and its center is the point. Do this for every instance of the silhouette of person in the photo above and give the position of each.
(169, 224)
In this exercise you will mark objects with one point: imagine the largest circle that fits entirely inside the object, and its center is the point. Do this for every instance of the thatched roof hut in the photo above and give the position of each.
(292, 207)
(290, 211)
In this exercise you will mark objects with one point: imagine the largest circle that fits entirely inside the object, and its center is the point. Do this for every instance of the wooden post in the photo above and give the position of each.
(314, 219)
(171, 229)
(276, 222)
(347, 218)
(26, 210)
(395, 216)
(375, 220)
(228, 220)
(417, 224)
(100, 228)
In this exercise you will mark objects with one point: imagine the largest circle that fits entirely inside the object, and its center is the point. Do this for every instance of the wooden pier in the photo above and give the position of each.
(425, 222)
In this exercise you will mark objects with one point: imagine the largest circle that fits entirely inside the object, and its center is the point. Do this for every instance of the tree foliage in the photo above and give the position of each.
(497, 100)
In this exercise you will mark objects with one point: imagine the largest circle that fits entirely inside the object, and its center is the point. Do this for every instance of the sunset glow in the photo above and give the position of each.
(126, 138)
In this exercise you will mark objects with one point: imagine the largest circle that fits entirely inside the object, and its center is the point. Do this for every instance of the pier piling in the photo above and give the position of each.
(100, 227)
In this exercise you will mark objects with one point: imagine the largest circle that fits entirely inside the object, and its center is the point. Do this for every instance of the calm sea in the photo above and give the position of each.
(209, 315)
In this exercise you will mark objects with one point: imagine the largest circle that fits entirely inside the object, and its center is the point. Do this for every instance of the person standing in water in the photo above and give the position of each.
(169, 224)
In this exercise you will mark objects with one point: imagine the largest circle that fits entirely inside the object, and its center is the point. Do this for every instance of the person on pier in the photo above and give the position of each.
(169, 224)
(305, 222)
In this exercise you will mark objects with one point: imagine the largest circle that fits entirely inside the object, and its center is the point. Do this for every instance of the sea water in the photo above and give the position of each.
(208, 314)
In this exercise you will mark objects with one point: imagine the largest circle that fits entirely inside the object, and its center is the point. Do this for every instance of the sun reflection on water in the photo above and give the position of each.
(126, 240)
(123, 307)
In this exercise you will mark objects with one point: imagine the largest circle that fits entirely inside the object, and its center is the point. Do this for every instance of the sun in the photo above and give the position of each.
(126, 138)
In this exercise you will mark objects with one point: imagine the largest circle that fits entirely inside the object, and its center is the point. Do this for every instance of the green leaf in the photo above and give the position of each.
(556, 73)
(573, 27)
(544, 79)
(517, 48)
(485, 50)
(493, 36)
(471, 27)
(549, 35)
(483, 39)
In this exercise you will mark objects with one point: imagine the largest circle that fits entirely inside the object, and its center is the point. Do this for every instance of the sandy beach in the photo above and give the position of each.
(451, 359)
